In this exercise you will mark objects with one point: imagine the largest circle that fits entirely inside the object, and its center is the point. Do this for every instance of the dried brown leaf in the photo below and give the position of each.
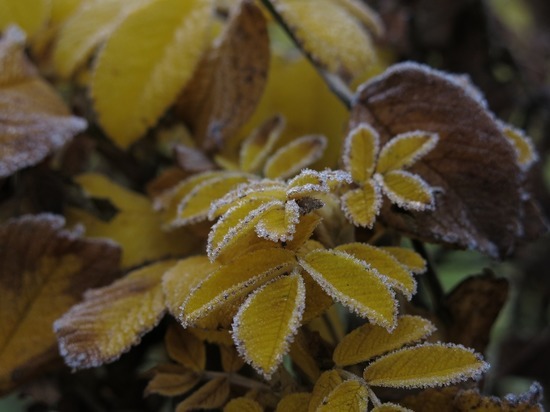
(34, 121)
(230, 80)
(478, 205)
(42, 264)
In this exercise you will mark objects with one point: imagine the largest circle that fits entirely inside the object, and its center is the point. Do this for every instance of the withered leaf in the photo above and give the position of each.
(185, 348)
(473, 164)
(171, 380)
(34, 121)
(230, 80)
(212, 395)
(474, 306)
(42, 264)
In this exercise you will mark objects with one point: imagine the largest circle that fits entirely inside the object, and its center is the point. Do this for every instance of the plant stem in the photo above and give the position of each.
(335, 83)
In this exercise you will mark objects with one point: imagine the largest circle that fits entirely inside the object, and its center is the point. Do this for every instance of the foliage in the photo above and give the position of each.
(273, 255)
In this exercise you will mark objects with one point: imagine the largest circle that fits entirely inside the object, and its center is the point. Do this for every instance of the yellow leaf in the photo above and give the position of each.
(301, 354)
(350, 395)
(86, 29)
(30, 15)
(278, 224)
(257, 147)
(135, 81)
(137, 228)
(44, 270)
(295, 402)
(522, 144)
(241, 238)
(425, 365)
(391, 407)
(304, 230)
(324, 385)
(408, 258)
(212, 395)
(397, 275)
(317, 300)
(231, 361)
(185, 348)
(351, 282)
(182, 278)
(267, 322)
(194, 207)
(235, 279)
(229, 81)
(35, 121)
(361, 206)
(369, 341)
(62, 9)
(406, 190)
(110, 320)
(307, 179)
(360, 151)
(171, 380)
(405, 149)
(243, 404)
(345, 49)
(296, 155)
(365, 14)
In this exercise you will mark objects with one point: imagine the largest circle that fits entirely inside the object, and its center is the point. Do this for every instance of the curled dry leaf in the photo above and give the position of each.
(230, 79)
(42, 263)
(34, 121)
(473, 164)
(112, 319)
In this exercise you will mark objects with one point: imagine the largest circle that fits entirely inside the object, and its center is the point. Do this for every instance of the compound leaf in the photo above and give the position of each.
(360, 152)
(405, 149)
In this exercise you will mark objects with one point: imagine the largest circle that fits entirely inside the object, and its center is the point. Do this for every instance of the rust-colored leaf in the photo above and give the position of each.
(42, 263)
(230, 81)
(34, 121)
(473, 165)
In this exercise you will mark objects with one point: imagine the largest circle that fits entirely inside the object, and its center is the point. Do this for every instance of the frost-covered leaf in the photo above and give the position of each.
(42, 263)
(294, 402)
(350, 395)
(235, 279)
(229, 82)
(110, 320)
(404, 150)
(396, 274)
(185, 348)
(86, 29)
(243, 404)
(34, 121)
(425, 365)
(360, 152)
(368, 341)
(257, 147)
(278, 224)
(296, 155)
(136, 227)
(362, 205)
(480, 203)
(471, 399)
(346, 49)
(408, 258)
(211, 395)
(407, 190)
(195, 205)
(134, 82)
(30, 15)
(526, 154)
(180, 279)
(324, 385)
(304, 230)
(354, 284)
(390, 407)
(267, 321)
(171, 380)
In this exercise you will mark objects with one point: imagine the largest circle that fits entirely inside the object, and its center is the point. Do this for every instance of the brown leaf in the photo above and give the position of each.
(474, 306)
(192, 160)
(44, 270)
(479, 205)
(171, 380)
(230, 80)
(472, 400)
(34, 121)
(185, 348)
(212, 395)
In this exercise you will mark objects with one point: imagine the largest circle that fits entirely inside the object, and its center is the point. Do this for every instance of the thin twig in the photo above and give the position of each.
(334, 82)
